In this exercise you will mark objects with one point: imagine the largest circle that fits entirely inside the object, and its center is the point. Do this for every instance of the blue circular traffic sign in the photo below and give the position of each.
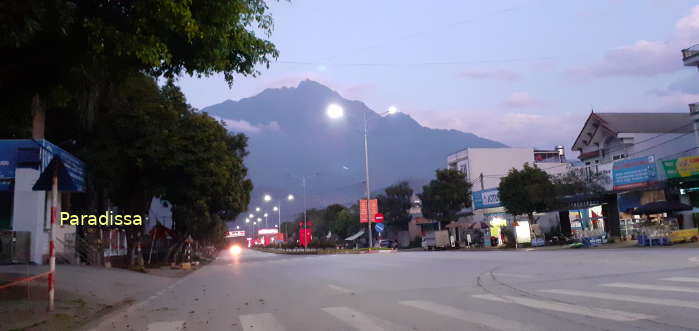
(379, 227)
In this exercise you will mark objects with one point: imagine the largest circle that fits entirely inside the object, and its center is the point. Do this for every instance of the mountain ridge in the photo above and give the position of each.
(291, 136)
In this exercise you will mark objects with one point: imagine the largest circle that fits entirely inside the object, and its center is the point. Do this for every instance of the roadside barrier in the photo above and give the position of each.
(24, 280)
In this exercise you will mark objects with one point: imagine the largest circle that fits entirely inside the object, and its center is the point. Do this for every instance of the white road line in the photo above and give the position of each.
(490, 321)
(166, 326)
(653, 287)
(340, 289)
(361, 321)
(608, 314)
(264, 321)
(683, 279)
(512, 275)
(628, 298)
(694, 259)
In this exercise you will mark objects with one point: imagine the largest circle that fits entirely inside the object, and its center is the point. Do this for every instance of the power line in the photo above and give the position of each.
(417, 64)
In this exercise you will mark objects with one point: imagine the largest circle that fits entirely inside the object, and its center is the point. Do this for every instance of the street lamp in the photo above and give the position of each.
(257, 209)
(265, 215)
(335, 111)
(278, 208)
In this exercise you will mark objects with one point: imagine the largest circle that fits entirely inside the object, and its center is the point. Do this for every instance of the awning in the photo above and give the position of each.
(660, 207)
(355, 236)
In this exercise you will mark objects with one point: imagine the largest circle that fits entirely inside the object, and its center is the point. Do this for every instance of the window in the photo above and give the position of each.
(619, 156)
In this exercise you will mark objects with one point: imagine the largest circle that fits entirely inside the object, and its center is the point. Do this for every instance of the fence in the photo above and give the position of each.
(14, 247)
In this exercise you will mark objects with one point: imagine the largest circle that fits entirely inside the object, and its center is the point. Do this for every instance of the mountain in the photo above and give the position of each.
(291, 136)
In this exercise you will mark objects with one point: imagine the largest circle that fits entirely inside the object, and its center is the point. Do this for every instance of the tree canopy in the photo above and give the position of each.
(446, 195)
(526, 191)
(395, 204)
(152, 143)
(63, 51)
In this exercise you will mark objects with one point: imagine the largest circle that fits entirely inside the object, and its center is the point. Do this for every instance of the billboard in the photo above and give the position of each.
(634, 173)
(374, 209)
(486, 199)
(682, 167)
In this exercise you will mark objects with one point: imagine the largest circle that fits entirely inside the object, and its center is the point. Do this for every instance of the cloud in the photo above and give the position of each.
(498, 74)
(247, 127)
(513, 128)
(644, 57)
(523, 100)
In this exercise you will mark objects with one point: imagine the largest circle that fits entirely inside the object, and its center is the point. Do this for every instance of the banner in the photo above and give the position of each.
(634, 173)
(486, 199)
(682, 167)
(374, 209)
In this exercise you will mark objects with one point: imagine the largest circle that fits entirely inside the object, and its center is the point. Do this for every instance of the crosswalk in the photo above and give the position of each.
(358, 319)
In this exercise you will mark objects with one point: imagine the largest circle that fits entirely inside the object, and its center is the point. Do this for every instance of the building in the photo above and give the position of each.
(484, 167)
(629, 149)
(25, 210)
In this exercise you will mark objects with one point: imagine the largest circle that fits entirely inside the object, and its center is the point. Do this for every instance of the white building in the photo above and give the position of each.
(484, 167)
(26, 212)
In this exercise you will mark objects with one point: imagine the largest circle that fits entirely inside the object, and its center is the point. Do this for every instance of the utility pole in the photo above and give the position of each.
(52, 237)
(482, 187)
(366, 172)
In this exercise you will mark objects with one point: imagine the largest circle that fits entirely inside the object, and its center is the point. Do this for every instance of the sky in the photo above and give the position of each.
(526, 73)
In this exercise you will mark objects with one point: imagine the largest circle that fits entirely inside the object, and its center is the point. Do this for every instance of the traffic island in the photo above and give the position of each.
(323, 251)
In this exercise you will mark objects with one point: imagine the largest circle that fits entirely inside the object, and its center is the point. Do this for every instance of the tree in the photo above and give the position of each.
(395, 205)
(446, 195)
(526, 191)
(573, 182)
(154, 144)
(346, 222)
(74, 52)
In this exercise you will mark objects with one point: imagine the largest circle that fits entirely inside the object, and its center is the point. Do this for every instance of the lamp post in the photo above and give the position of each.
(278, 207)
(335, 111)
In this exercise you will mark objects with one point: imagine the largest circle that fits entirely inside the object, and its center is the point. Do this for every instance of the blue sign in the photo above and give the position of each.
(486, 199)
(634, 173)
(28, 153)
(379, 227)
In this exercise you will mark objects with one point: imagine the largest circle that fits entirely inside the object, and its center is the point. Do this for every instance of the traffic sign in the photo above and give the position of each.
(379, 227)
(378, 218)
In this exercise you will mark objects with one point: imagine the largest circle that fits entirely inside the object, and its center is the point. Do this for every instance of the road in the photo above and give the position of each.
(602, 289)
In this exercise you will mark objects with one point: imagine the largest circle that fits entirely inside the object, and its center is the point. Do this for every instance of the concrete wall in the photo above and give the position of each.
(32, 213)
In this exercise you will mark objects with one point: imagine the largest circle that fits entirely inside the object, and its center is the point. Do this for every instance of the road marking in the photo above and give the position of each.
(165, 326)
(694, 259)
(359, 320)
(683, 279)
(609, 314)
(264, 321)
(628, 298)
(654, 287)
(490, 321)
(340, 289)
(512, 275)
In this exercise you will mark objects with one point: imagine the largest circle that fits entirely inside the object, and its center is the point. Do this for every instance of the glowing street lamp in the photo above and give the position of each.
(277, 208)
(334, 111)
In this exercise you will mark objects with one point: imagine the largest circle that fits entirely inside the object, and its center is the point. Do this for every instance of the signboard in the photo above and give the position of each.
(373, 210)
(486, 199)
(634, 173)
(235, 233)
(267, 231)
(682, 167)
(379, 227)
(37, 154)
(378, 218)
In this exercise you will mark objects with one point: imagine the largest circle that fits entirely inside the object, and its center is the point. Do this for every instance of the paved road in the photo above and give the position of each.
(613, 289)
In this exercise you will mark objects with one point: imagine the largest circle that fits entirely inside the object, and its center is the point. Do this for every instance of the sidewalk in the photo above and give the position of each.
(83, 293)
